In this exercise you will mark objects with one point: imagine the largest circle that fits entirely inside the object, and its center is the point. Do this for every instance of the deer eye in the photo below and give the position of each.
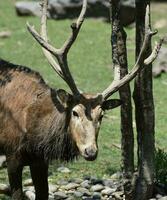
(75, 113)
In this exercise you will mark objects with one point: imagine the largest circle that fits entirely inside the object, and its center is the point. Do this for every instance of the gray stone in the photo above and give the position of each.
(4, 189)
(96, 195)
(60, 195)
(107, 191)
(28, 182)
(95, 181)
(53, 188)
(70, 186)
(84, 191)
(97, 188)
(78, 194)
(29, 194)
(61, 9)
(28, 8)
(118, 195)
(116, 176)
(108, 183)
(63, 170)
(85, 184)
(158, 196)
(163, 198)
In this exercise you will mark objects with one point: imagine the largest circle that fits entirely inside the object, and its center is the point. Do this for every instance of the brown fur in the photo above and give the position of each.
(31, 118)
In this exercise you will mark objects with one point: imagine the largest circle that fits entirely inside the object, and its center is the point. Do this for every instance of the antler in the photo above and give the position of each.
(51, 52)
(117, 84)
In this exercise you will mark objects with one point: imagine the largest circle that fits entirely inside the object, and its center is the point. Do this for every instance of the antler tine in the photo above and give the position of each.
(61, 54)
(117, 84)
(75, 29)
(47, 54)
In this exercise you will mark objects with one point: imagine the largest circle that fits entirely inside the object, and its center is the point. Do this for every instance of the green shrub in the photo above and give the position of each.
(161, 166)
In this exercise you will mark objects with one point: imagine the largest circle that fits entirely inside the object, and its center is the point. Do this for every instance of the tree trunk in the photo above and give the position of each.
(144, 113)
(120, 65)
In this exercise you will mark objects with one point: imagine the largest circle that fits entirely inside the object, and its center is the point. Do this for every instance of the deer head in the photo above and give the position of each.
(86, 110)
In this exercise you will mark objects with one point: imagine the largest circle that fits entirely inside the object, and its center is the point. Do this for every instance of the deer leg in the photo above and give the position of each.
(39, 174)
(14, 168)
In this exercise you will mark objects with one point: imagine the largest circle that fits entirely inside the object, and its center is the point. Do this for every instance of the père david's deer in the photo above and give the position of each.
(38, 123)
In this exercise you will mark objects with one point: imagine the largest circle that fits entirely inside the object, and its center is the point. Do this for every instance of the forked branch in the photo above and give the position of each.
(141, 61)
(60, 54)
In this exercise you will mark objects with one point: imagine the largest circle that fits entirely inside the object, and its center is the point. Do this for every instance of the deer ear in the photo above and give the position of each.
(63, 97)
(111, 103)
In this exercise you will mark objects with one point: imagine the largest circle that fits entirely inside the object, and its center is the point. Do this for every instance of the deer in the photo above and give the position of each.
(39, 123)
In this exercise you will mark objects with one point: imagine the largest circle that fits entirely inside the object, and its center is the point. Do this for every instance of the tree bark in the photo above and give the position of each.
(144, 113)
(120, 65)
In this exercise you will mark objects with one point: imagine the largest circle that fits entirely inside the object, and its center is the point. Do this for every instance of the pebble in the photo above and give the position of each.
(163, 198)
(78, 194)
(107, 191)
(4, 189)
(70, 186)
(97, 188)
(53, 188)
(29, 194)
(85, 184)
(28, 182)
(96, 195)
(84, 191)
(63, 170)
(108, 183)
(60, 195)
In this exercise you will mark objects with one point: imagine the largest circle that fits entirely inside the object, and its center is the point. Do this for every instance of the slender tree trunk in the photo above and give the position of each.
(119, 57)
(144, 113)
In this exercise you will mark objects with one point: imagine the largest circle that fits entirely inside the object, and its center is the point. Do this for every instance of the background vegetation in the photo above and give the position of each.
(90, 63)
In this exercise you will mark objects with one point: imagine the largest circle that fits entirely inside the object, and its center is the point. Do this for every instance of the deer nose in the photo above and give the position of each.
(90, 153)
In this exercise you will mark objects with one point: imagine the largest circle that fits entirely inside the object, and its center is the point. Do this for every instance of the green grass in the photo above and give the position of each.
(90, 63)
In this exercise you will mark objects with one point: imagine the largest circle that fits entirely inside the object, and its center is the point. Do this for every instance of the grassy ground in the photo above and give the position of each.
(90, 63)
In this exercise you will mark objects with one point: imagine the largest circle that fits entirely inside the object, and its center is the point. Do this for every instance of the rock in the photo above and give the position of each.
(60, 195)
(85, 184)
(29, 194)
(160, 65)
(24, 8)
(70, 186)
(53, 188)
(97, 188)
(107, 191)
(158, 196)
(163, 198)
(96, 195)
(4, 34)
(76, 180)
(63, 170)
(84, 191)
(118, 195)
(61, 9)
(51, 197)
(28, 182)
(116, 176)
(4, 189)
(108, 183)
(78, 194)
(95, 181)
